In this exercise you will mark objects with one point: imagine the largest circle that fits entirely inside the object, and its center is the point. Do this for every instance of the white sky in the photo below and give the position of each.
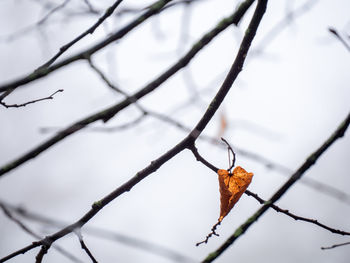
(284, 104)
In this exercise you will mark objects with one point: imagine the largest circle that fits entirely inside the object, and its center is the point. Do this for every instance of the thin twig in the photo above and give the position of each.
(336, 245)
(202, 160)
(84, 247)
(50, 97)
(213, 232)
(305, 219)
(233, 154)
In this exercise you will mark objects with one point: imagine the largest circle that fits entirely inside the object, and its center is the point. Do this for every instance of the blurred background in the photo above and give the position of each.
(291, 95)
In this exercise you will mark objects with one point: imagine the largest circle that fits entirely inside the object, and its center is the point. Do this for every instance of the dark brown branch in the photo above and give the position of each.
(37, 74)
(310, 161)
(43, 250)
(50, 97)
(336, 245)
(186, 143)
(202, 160)
(110, 112)
(212, 233)
(84, 247)
(305, 219)
(106, 80)
(20, 251)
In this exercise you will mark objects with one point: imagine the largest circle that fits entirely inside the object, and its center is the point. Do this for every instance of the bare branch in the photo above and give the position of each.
(84, 247)
(50, 97)
(233, 154)
(202, 160)
(43, 250)
(212, 233)
(18, 222)
(40, 22)
(336, 245)
(305, 219)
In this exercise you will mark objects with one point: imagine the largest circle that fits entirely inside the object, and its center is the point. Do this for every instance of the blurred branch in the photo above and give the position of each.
(109, 11)
(186, 143)
(336, 245)
(282, 24)
(127, 10)
(26, 229)
(42, 72)
(50, 97)
(337, 35)
(310, 161)
(29, 28)
(102, 233)
(110, 112)
(17, 221)
(90, 7)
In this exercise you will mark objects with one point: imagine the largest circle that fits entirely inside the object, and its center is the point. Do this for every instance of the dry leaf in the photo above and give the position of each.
(232, 186)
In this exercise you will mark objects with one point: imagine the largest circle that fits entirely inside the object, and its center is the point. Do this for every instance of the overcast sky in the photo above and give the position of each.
(291, 95)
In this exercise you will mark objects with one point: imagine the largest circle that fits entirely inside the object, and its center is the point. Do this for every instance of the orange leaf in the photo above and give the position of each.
(232, 186)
